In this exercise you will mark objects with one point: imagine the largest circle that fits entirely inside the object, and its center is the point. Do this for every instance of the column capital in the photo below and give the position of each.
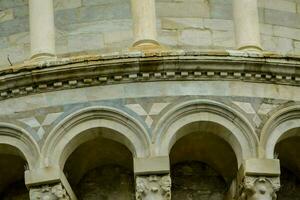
(49, 192)
(156, 187)
(258, 188)
(48, 181)
(257, 179)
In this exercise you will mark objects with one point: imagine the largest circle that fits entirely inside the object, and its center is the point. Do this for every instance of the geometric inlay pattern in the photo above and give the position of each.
(41, 122)
(148, 114)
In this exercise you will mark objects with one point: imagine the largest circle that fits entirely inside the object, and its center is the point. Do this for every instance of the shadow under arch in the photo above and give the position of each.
(281, 125)
(24, 144)
(69, 134)
(241, 137)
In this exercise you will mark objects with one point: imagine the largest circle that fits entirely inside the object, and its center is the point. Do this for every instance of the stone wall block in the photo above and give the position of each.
(196, 37)
(6, 15)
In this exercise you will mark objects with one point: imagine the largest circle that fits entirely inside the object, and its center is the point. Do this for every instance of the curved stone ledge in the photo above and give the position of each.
(90, 70)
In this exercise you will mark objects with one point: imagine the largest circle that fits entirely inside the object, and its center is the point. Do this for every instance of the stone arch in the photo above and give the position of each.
(277, 128)
(67, 135)
(242, 139)
(24, 144)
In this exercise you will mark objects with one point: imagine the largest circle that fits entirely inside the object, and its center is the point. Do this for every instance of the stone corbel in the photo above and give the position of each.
(49, 192)
(259, 188)
(153, 187)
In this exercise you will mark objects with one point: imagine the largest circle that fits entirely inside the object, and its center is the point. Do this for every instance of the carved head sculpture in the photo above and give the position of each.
(165, 184)
(259, 188)
(56, 192)
(153, 188)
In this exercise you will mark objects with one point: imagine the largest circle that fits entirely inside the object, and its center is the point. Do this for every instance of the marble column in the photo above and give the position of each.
(246, 23)
(42, 29)
(144, 23)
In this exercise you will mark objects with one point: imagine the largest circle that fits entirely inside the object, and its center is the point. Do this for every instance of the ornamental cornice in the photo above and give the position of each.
(116, 68)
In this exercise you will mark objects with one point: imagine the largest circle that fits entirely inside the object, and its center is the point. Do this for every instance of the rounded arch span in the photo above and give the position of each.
(279, 126)
(242, 137)
(20, 140)
(70, 133)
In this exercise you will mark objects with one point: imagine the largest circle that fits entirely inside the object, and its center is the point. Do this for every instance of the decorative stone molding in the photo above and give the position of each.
(49, 192)
(178, 65)
(259, 188)
(152, 187)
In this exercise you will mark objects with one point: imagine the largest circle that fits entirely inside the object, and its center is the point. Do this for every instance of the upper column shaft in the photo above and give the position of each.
(144, 21)
(246, 22)
(42, 29)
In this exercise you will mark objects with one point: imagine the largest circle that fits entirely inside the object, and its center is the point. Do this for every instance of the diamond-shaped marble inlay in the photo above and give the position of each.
(39, 123)
(155, 109)
(247, 107)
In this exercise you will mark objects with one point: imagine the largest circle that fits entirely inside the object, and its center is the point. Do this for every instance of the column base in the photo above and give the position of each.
(146, 46)
(42, 57)
(251, 48)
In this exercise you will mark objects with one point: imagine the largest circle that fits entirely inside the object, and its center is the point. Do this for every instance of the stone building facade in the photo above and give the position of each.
(149, 99)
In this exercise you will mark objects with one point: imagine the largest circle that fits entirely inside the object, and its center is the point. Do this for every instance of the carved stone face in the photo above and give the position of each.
(262, 190)
(56, 192)
(153, 188)
(42, 194)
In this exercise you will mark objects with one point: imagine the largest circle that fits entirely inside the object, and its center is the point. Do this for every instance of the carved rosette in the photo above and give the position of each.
(259, 188)
(49, 192)
(153, 187)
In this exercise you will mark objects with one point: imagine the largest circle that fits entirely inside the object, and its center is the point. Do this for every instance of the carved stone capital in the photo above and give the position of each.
(153, 187)
(259, 188)
(49, 192)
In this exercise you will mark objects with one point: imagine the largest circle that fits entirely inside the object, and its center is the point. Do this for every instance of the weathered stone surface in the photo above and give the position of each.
(282, 18)
(6, 15)
(195, 37)
(197, 181)
(66, 4)
(107, 182)
(281, 5)
(185, 9)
